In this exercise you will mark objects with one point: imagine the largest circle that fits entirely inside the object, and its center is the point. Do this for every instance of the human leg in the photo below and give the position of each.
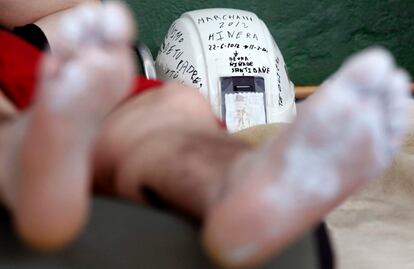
(255, 201)
(345, 135)
(208, 200)
(46, 152)
(166, 141)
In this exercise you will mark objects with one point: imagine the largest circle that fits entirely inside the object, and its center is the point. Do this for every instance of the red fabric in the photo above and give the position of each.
(144, 84)
(19, 62)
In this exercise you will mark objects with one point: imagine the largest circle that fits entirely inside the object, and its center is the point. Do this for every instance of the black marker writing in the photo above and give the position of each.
(173, 50)
(279, 82)
(184, 67)
(234, 24)
(223, 46)
(221, 35)
(225, 17)
(175, 35)
(243, 64)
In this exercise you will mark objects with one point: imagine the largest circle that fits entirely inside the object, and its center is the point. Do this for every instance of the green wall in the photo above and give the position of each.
(314, 36)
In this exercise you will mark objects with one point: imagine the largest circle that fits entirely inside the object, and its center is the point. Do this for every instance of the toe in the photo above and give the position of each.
(367, 71)
(87, 20)
(396, 106)
(117, 23)
(71, 34)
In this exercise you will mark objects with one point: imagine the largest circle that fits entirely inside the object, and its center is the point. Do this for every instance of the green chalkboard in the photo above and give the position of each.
(315, 36)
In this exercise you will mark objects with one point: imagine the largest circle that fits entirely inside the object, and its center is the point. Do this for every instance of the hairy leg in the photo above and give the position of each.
(46, 152)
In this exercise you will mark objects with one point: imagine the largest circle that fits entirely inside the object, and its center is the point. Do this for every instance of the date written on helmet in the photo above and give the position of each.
(236, 46)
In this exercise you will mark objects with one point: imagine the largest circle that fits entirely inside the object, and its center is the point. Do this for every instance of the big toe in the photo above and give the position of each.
(368, 69)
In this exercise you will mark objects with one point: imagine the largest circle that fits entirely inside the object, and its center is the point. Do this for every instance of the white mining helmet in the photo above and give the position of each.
(231, 57)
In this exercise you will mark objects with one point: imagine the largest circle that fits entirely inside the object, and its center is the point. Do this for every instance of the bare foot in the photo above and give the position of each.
(345, 135)
(47, 152)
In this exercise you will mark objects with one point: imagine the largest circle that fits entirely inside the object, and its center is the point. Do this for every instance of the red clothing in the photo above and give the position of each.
(19, 63)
